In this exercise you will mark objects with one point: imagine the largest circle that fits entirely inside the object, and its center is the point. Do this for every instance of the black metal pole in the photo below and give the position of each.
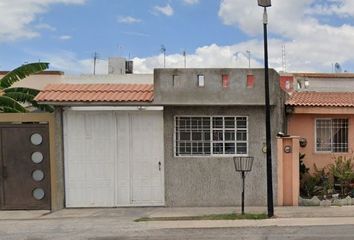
(268, 126)
(243, 193)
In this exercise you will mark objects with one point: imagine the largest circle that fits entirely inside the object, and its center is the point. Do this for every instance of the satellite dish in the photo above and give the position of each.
(337, 68)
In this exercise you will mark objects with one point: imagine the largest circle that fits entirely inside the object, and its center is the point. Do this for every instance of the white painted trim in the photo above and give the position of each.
(118, 108)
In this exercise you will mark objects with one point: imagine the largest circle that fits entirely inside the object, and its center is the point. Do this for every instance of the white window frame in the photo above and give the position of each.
(315, 133)
(211, 136)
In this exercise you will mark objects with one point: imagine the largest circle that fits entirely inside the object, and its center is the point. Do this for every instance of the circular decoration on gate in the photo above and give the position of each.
(38, 193)
(287, 149)
(36, 139)
(37, 157)
(37, 175)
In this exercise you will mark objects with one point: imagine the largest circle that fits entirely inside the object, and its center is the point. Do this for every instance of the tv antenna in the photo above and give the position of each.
(337, 68)
(248, 52)
(283, 58)
(184, 53)
(163, 51)
(95, 58)
(249, 58)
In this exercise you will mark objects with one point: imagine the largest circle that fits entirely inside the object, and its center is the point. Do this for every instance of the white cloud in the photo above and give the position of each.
(342, 8)
(165, 10)
(17, 17)
(128, 19)
(65, 37)
(44, 26)
(136, 34)
(211, 56)
(69, 62)
(222, 56)
(310, 44)
(191, 2)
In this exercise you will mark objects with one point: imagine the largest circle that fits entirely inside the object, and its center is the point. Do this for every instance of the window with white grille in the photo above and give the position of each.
(206, 136)
(332, 135)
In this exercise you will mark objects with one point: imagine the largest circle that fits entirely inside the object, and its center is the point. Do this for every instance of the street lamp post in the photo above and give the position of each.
(265, 4)
(243, 165)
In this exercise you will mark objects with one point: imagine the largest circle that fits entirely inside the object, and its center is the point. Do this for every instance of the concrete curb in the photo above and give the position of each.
(281, 222)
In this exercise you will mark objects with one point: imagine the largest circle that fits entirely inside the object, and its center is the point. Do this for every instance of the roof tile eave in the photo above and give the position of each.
(96, 93)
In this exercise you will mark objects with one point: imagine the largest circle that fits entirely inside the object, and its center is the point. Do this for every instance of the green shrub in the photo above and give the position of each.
(342, 171)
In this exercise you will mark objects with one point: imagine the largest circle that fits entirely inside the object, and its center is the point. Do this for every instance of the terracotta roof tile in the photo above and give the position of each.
(321, 99)
(96, 93)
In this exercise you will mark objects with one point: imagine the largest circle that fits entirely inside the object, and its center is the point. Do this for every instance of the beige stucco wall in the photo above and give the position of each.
(303, 125)
(38, 81)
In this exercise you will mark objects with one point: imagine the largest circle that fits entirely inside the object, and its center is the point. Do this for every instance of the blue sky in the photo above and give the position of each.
(315, 34)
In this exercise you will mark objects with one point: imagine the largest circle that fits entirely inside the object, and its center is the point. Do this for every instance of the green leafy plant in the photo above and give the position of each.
(14, 100)
(318, 183)
(342, 171)
(303, 168)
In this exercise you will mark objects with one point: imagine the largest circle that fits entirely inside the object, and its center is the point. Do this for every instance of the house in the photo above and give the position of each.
(318, 82)
(40, 163)
(324, 122)
(167, 144)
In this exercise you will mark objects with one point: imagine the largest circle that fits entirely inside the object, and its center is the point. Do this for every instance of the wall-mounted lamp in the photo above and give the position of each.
(303, 142)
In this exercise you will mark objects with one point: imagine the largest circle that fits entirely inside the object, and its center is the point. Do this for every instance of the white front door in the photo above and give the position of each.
(89, 159)
(147, 158)
(113, 158)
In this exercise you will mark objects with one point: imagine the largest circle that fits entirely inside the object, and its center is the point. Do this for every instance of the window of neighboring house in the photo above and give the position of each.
(332, 135)
(211, 136)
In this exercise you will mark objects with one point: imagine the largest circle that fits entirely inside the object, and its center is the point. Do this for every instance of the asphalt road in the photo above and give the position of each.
(42, 230)
(260, 233)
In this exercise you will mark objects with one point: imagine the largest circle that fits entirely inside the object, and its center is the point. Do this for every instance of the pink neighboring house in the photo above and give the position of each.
(325, 120)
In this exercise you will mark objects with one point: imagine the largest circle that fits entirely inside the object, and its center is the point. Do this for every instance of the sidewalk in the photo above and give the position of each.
(280, 212)
(285, 216)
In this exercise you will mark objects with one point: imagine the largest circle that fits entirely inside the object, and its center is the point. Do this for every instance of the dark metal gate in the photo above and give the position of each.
(25, 167)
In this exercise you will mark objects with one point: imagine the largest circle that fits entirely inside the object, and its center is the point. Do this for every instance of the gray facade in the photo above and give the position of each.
(180, 87)
(209, 180)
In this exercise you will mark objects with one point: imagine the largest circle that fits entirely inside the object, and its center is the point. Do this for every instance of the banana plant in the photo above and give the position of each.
(17, 99)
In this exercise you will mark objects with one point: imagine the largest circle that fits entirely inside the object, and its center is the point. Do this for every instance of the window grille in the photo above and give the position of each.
(332, 135)
(206, 136)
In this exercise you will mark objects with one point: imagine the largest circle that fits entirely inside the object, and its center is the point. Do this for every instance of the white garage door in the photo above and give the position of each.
(113, 158)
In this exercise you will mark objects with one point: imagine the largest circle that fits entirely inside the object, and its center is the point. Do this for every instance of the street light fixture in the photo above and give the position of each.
(265, 4)
(243, 165)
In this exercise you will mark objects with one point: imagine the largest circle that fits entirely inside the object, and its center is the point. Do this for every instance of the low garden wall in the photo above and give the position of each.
(315, 201)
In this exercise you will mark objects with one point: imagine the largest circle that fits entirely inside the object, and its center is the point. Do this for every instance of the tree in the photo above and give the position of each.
(15, 99)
